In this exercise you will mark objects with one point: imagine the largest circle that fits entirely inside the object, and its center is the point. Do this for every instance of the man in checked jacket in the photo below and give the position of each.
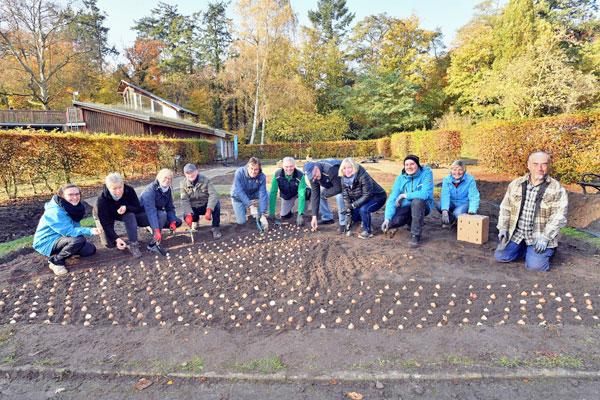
(532, 212)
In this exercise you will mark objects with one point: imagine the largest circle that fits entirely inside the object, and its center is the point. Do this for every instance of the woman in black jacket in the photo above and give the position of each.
(362, 196)
(119, 202)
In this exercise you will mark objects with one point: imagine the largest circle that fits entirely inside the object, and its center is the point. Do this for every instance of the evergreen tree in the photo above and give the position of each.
(332, 19)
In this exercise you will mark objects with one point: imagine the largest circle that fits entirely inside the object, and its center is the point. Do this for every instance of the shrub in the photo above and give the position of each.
(341, 149)
(305, 127)
(30, 156)
(431, 146)
(572, 140)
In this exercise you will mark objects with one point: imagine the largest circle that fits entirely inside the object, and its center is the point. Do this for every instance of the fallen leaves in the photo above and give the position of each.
(142, 384)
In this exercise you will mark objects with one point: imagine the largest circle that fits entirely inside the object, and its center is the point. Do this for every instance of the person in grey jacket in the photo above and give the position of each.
(199, 197)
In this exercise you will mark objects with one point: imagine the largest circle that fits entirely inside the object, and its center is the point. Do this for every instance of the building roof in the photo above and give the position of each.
(123, 84)
(151, 118)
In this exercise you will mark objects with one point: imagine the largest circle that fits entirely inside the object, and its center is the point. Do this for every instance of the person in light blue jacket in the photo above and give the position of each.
(459, 194)
(249, 190)
(411, 199)
(59, 234)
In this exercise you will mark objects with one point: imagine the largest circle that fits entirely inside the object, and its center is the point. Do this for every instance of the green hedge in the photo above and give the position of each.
(572, 140)
(51, 158)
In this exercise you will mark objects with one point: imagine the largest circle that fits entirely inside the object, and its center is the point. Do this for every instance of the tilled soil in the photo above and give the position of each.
(290, 278)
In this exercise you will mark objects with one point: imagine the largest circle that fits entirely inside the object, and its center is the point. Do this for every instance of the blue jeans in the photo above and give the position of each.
(363, 213)
(454, 210)
(239, 211)
(326, 213)
(533, 261)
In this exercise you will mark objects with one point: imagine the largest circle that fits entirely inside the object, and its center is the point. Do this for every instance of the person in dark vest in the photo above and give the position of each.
(323, 177)
(532, 212)
(119, 202)
(362, 196)
(289, 182)
(59, 234)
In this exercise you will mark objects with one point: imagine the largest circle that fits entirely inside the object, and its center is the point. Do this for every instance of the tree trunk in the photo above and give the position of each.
(262, 134)
(255, 117)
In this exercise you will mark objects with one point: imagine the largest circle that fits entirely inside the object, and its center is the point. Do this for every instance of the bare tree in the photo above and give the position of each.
(36, 34)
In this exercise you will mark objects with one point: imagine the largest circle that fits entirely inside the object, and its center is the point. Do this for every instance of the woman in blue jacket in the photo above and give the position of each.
(411, 199)
(459, 194)
(59, 235)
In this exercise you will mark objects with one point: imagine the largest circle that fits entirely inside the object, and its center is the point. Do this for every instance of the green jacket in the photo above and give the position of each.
(275, 189)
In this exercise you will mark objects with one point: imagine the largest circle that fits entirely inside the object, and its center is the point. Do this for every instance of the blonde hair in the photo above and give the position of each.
(164, 172)
(348, 161)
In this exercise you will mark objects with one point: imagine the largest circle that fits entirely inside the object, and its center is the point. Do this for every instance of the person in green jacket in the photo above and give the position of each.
(289, 182)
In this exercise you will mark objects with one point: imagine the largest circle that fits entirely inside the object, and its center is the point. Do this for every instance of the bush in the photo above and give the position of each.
(305, 127)
(341, 149)
(572, 140)
(431, 146)
(30, 156)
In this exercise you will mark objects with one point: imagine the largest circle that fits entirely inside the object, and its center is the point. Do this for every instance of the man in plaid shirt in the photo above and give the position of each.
(532, 212)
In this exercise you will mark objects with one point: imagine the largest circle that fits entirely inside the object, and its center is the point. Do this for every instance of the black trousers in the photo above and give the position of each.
(68, 246)
(413, 215)
(197, 212)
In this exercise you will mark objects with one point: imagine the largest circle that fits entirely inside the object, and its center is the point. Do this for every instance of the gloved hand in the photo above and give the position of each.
(189, 220)
(173, 226)
(445, 217)
(503, 236)
(385, 226)
(157, 235)
(254, 211)
(540, 244)
(314, 224)
(277, 221)
(347, 211)
(299, 220)
(264, 222)
(208, 214)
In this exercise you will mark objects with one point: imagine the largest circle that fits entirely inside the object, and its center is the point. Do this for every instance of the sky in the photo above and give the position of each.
(448, 15)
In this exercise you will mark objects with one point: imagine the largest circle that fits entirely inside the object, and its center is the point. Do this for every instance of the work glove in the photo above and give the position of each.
(208, 214)
(173, 226)
(445, 217)
(385, 226)
(264, 222)
(503, 236)
(540, 244)
(347, 211)
(189, 220)
(157, 235)
(254, 211)
(299, 220)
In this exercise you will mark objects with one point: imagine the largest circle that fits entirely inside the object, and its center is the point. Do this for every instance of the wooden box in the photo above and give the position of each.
(473, 228)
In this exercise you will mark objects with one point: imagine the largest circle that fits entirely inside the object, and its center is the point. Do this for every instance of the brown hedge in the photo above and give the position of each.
(341, 149)
(50, 158)
(439, 146)
(572, 140)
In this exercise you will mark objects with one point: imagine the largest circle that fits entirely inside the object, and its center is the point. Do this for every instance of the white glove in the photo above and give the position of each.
(385, 226)
(264, 223)
(254, 211)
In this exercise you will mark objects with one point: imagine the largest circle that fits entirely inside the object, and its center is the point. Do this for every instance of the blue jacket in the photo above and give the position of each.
(154, 199)
(54, 224)
(245, 189)
(465, 193)
(416, 186)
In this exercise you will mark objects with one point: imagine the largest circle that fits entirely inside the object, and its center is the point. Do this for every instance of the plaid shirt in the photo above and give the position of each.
(547, 220)
(525, 224)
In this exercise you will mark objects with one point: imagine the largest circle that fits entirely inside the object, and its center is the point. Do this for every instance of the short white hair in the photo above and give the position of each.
(289, 160)
(164, 173)
(113, 178)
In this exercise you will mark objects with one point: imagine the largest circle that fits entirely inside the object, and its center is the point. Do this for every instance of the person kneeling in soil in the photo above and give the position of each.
(199, 197)
(59, 234)
(325, 182)
(411, 199)
(459, 194)
(289, 182)
(119, 202)
(362, 196)
(249, 190)
(532, 212)
(157, 200)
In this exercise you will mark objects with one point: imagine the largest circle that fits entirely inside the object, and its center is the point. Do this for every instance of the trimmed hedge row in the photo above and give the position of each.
(43, 158)
(438, 146)
(572, 140)
(341, 149)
